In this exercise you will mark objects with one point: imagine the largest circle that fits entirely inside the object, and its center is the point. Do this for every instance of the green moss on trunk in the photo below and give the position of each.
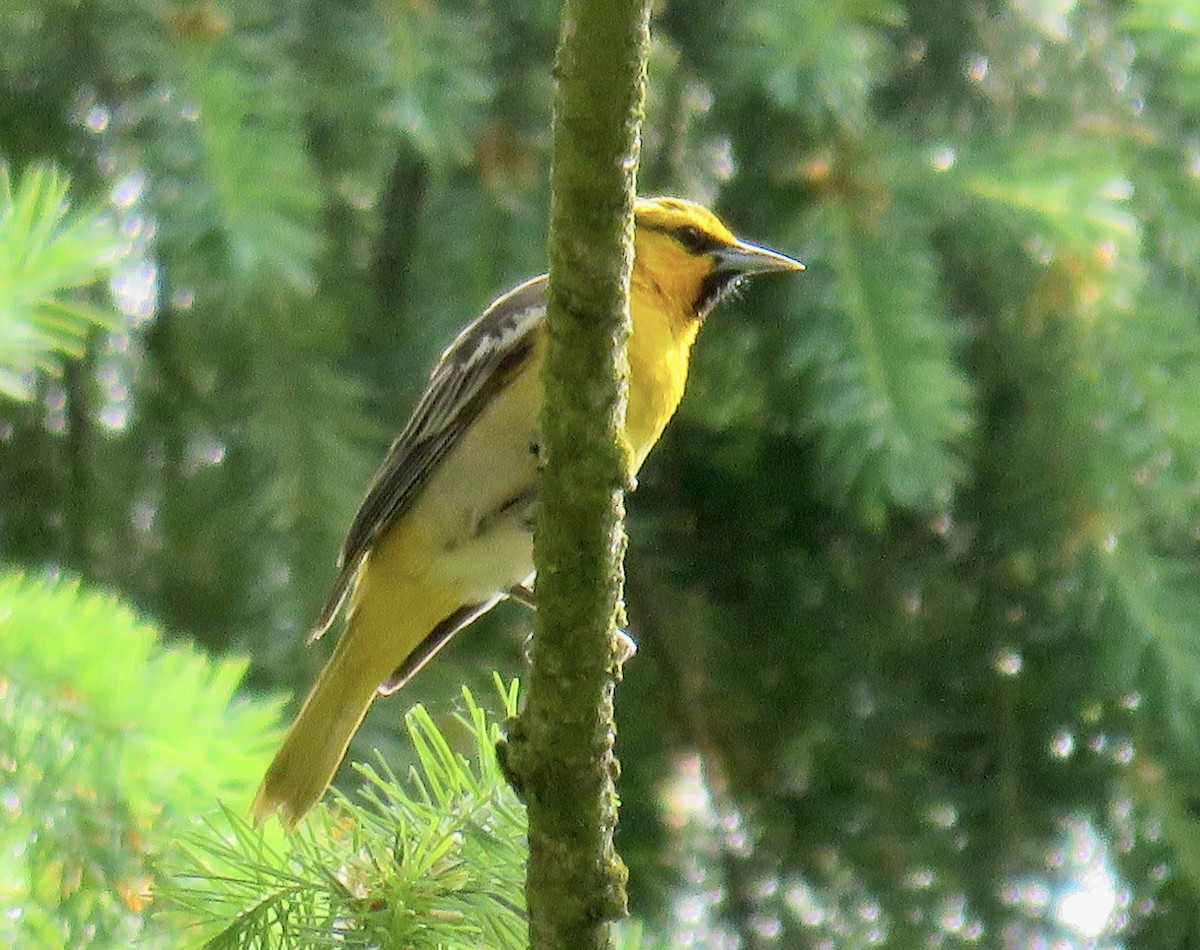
(562, 749)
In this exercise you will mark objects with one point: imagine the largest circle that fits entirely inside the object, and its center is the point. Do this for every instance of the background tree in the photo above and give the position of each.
(914, 572)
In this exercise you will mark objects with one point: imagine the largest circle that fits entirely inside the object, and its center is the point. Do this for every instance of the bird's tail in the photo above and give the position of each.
(316, 743)
(392, 611)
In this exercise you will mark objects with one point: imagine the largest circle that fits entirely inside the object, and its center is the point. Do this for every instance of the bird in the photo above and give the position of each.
(445, 531)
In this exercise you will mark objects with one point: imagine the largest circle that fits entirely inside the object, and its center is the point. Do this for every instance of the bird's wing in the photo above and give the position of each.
(481, 361)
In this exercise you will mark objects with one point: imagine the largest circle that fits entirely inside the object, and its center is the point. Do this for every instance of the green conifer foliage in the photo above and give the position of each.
(110, 746)
(914, 571)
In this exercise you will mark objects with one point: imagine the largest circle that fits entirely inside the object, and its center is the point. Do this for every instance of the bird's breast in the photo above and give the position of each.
(659, 348)
(478, 506)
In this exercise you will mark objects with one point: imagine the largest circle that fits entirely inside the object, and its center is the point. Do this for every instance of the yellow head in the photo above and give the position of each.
(684, 254)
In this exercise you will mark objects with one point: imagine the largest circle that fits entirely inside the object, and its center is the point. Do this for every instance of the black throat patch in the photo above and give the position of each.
(716, 287)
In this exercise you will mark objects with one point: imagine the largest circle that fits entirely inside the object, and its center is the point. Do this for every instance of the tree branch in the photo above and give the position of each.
(561, 750)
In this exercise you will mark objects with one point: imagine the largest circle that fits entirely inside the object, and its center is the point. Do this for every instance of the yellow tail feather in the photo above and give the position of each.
(316, 743)
(390, 615)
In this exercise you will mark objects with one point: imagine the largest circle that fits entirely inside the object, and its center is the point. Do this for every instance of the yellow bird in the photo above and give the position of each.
(445, 531)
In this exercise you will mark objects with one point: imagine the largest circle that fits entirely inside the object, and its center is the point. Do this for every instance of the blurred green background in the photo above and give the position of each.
(914, 571)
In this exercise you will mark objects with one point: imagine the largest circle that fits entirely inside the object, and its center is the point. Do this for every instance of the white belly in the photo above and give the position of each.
(478, 504)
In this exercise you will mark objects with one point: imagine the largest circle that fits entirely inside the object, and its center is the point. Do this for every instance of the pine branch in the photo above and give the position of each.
(1167, 34)
(46, 250)
(437, 77)
(216, 108)
(116, 744)
(888, 399)
(436, 867)
(265, 197)
(1053, 194)
(826, 71)
(1143, 360)
(1145, 604)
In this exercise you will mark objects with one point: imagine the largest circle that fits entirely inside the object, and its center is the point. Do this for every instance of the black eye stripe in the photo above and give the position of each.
(694, 240)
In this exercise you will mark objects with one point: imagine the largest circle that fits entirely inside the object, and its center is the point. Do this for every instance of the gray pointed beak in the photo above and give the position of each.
(743, 258)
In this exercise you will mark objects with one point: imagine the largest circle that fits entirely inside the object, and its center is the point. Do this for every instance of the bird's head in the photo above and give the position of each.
(685, 253)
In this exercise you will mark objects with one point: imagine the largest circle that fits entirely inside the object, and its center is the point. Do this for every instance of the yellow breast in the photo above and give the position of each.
(658, 363)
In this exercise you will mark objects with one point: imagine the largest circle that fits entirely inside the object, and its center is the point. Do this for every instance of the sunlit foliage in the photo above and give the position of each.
(110, 747)
(914, 573)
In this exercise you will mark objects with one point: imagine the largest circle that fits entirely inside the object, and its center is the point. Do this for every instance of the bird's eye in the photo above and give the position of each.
(693, 239)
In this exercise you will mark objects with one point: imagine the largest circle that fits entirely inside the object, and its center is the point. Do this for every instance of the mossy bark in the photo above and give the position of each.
(561, 750)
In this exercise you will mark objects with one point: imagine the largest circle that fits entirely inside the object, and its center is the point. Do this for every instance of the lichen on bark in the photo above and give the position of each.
(561, 750)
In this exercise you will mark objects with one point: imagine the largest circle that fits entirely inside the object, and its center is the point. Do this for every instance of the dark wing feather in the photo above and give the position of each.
(438, 637)
(481, 361)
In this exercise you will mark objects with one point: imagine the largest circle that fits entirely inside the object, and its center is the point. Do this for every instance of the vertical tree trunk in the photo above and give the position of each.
(561, 751)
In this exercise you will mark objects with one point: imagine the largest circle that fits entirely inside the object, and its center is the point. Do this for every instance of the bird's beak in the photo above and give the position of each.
(743, 258)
